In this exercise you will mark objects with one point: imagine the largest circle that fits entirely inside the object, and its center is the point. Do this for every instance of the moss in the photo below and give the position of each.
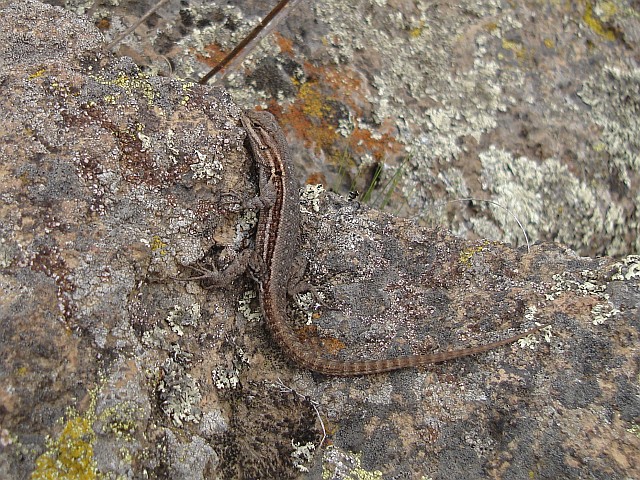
(70, 455)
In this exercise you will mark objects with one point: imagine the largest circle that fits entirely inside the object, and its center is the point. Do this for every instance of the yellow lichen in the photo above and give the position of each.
(515, 47)
(467, 254)
(596, 25)
(314, 102)
(417, 31)
(130, 84)
(70, 455)
(158, 245)
(37, 74)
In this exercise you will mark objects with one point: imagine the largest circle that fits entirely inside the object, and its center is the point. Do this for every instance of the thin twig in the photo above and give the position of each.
(284, 388)
(239, 53)
(119, 38)
(526, 238)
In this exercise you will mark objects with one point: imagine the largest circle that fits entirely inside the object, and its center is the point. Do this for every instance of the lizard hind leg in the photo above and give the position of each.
(297, 284)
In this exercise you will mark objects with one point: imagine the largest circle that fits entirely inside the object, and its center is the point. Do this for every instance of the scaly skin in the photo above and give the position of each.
(277, 245)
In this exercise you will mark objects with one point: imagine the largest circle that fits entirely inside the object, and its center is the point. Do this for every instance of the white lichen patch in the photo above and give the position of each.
(156, 338)
(310, 198)
(245, 226)
(302, 453)
(602, 312)
(225, 379)
(338, 464)
(536, 191)
(207, 168)
(531, 341)
(588, 285)
(628, 268)
(179, 394)
(180, 317)
(614, 96)
(307, 304)
(244, 306)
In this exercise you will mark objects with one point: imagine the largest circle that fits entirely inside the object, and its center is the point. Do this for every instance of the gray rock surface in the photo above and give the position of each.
(525, 106)
(112, 183)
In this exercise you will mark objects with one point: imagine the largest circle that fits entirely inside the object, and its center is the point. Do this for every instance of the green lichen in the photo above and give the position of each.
(70, 455)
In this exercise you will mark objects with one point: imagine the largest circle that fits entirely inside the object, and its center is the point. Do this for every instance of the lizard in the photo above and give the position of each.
(277, 243)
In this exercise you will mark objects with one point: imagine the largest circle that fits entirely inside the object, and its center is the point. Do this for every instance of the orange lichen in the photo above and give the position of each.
(332, 345)
(103, 24)
(362, 141)
(316, 178)
(311, 117)
(309, 335)
(285, 44)
(212, 56)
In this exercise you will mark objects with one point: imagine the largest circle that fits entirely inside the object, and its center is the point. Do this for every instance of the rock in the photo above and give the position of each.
(113, 183)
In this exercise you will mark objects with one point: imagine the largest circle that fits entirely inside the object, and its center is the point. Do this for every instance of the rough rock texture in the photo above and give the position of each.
(530, 106)
(112, 182)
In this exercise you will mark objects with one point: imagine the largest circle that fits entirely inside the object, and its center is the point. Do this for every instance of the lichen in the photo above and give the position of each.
(614, 97)
(158, 245)
(587, 285)
(531, 341)
(244, 306)
(70, 455)
(627, 269)
(346, 466)
(634, 429)
(180, 317)
(544, 196)
(121, 419)
(596, 24)
(467, 254)
(130, 84)
(310, 198)
(206, 168)
(302, 453)
(179, 394)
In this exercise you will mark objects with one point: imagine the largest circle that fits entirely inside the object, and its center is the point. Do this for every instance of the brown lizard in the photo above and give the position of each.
(277, 244)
